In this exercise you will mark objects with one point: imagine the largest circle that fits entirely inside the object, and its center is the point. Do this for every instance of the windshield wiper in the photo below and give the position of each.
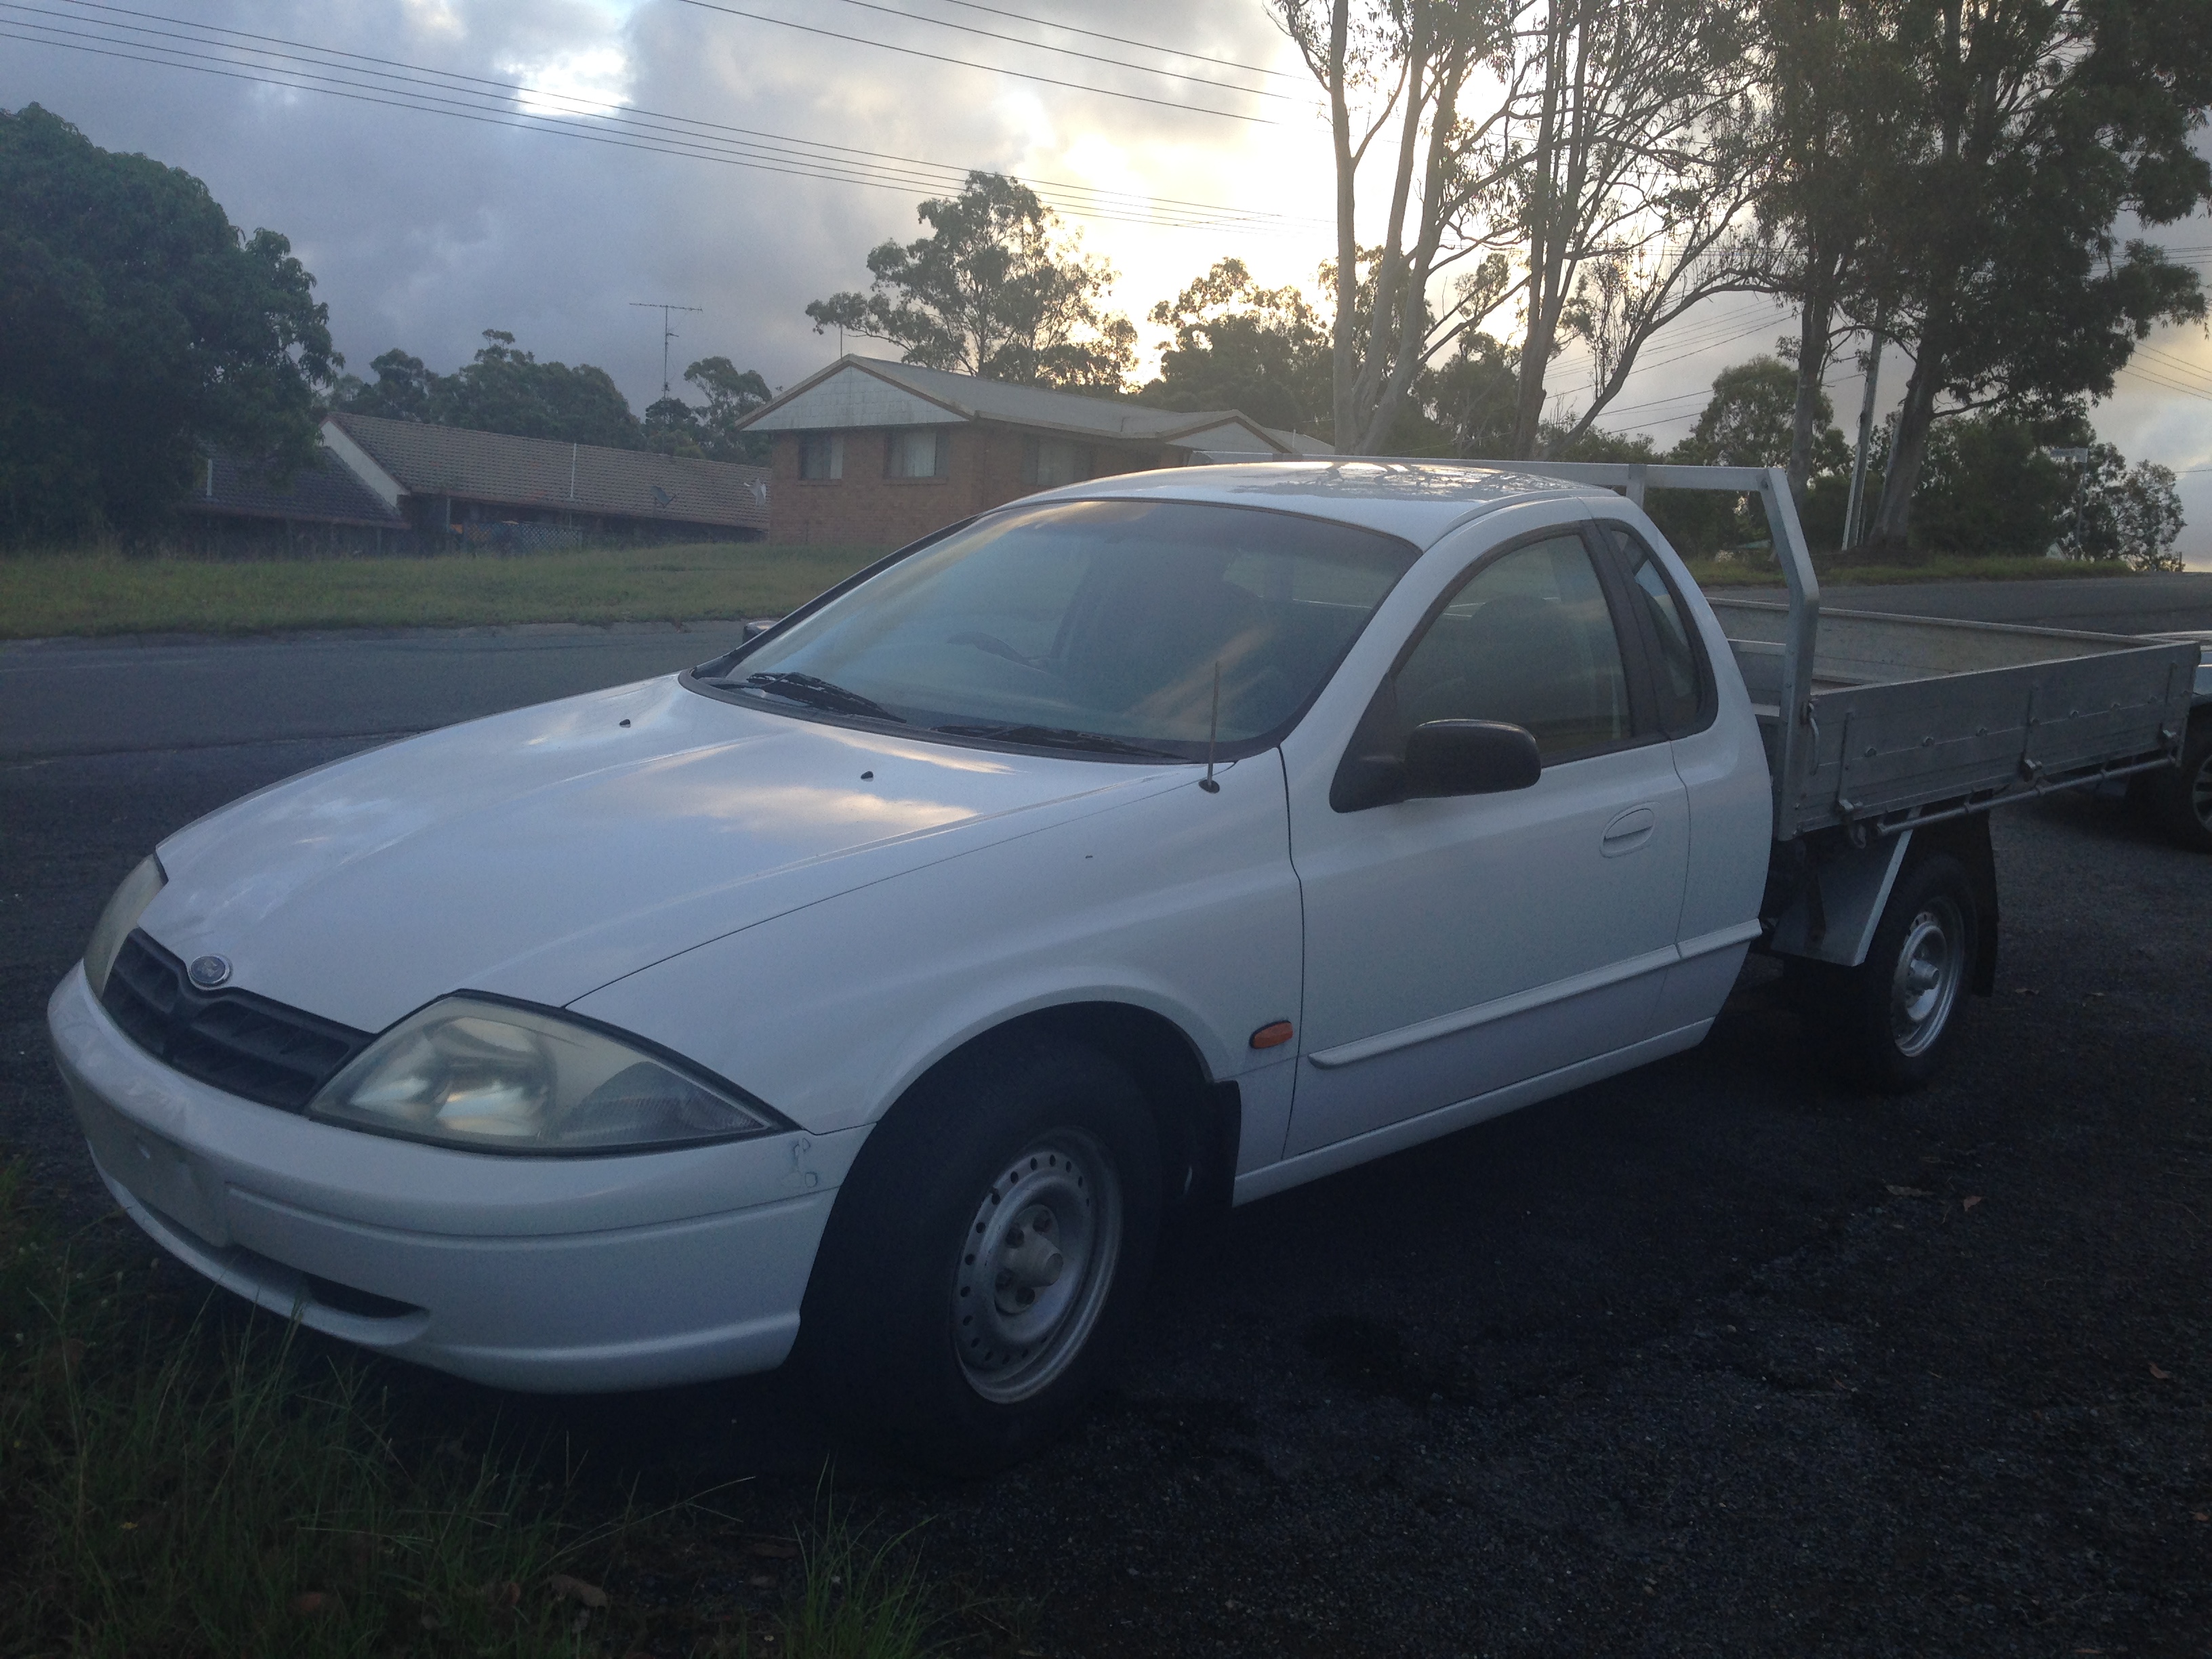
(815, 694)
(1055, 736)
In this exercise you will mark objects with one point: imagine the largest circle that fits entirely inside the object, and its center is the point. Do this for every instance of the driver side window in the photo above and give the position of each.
(1529, 640)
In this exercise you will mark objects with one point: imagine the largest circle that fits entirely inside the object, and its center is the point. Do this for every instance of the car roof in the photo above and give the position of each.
(1416, 501)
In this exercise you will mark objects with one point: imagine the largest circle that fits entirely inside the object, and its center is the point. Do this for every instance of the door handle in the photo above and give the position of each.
(1629, 831)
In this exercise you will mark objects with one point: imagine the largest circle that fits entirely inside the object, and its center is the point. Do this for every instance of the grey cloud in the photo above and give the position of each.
(423, 230)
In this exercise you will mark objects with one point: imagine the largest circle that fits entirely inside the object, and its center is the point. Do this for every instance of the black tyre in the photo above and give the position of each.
(1898, 1010)
(2181, 801)
(986, 1257)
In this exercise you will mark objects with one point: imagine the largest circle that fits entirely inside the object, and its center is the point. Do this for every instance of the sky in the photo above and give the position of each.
(1203, 138)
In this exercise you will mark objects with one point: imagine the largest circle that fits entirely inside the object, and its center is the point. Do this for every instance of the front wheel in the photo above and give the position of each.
(1898, 1010)
(986, 1256)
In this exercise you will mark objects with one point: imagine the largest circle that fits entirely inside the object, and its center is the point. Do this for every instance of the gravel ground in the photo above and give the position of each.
(1720, 1357)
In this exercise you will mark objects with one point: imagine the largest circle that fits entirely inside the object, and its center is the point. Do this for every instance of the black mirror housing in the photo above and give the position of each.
(1470, 757)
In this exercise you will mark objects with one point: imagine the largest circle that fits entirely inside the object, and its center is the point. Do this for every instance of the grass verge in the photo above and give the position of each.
(46, 594)
(218, 1485)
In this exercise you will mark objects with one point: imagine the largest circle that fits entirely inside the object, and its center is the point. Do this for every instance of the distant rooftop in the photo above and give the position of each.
(325, 492)
(496, 468)
(858, 391)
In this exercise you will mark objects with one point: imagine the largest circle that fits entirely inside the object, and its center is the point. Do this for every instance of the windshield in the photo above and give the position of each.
(1089, 625)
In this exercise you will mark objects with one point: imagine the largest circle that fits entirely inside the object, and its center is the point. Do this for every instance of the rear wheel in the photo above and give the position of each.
(987, 1255)
(2181, 801)
(1898, 1010)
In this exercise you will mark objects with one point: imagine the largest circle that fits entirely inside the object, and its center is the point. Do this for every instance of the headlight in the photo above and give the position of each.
(120, 916)
(470, 1071)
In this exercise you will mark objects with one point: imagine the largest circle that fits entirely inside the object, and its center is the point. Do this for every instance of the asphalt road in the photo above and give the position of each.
(1716, 1358)
(150, 696)
(2096, 604)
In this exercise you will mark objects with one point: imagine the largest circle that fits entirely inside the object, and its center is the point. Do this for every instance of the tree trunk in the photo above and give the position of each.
(1343, 427)
(1545, 273)
(1908, 449)
(1813, 319)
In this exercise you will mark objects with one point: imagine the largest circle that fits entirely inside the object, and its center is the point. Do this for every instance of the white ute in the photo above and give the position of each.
(882, 987)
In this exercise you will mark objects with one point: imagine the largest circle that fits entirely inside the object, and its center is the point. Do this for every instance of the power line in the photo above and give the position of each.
(1123, 39)
(472, 97)
(1070, 52)
(988, 69)
(602, 108)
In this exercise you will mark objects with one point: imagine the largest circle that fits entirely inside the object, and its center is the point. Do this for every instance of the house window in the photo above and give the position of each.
(821, 455)
(917, 453)
(1049, 461)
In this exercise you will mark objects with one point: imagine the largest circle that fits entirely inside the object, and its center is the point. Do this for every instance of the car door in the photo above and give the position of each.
(1458, 946)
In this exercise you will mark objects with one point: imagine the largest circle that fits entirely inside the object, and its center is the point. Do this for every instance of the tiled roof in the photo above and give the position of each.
(973, 398)
(324, 493)
(494, 468)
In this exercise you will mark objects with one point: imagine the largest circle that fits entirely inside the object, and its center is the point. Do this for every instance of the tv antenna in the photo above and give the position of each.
(667, 330)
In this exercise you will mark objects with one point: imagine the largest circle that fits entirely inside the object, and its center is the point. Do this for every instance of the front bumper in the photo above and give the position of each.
(570, 1274)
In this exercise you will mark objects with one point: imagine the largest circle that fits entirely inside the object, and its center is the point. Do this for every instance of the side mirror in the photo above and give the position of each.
(1469, 758)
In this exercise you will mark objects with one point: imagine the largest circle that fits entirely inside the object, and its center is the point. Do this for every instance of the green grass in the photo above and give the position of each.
(46, 594)
(1936, 567)
(175, 1487)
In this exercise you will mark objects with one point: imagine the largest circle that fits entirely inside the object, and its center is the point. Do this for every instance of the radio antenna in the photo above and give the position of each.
(1212, 731)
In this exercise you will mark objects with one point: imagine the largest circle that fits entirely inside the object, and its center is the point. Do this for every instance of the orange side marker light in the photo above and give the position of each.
(1272, 1036)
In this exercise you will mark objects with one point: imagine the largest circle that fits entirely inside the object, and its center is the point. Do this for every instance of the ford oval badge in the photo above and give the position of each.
(208, 972)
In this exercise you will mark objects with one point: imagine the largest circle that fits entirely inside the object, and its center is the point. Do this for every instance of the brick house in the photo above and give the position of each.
(878, 453)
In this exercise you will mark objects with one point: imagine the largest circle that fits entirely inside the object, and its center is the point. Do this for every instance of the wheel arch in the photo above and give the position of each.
(1967, 840)
(1199, 1117)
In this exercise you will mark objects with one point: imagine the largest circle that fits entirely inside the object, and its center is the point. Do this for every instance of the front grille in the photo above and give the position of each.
(240, 1043)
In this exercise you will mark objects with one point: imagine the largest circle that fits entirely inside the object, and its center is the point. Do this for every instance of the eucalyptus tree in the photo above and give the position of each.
(1635, 164)
(1836, 115)
(1399, 72)
(995, 288)
(2041, 125)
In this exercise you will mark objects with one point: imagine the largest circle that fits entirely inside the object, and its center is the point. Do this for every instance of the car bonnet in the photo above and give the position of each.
(542, 854)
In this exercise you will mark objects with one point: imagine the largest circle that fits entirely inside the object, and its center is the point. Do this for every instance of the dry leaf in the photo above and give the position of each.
(312, 1601)
(1969, 1203)
(2199, 1515)
(1906, 1192)
(775, 1549)
(507, 1595)
(2163, 1376)
(763, 1581)
(575, 1589)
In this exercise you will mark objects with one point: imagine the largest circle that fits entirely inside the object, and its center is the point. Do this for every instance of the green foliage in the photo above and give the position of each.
(2131, 515)
(993, 290)
(500, 390)
(1263, 351)
(137, 325)
(1987, 488)
(1748, 422)
(674, 427)
(2038, 128)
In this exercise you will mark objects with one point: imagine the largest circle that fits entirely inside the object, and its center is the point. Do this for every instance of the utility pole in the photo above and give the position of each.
(667, 330)
(1866, 438)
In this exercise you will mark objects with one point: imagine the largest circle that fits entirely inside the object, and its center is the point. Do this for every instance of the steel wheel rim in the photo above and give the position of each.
(1924, 984)
(1036, 1266)
(2200, 791)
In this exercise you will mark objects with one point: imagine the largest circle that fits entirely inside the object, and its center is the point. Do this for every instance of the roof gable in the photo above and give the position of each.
(869, 392)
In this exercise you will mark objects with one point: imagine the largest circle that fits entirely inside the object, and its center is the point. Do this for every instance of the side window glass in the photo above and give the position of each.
(1529, 640)
(1678, 684)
